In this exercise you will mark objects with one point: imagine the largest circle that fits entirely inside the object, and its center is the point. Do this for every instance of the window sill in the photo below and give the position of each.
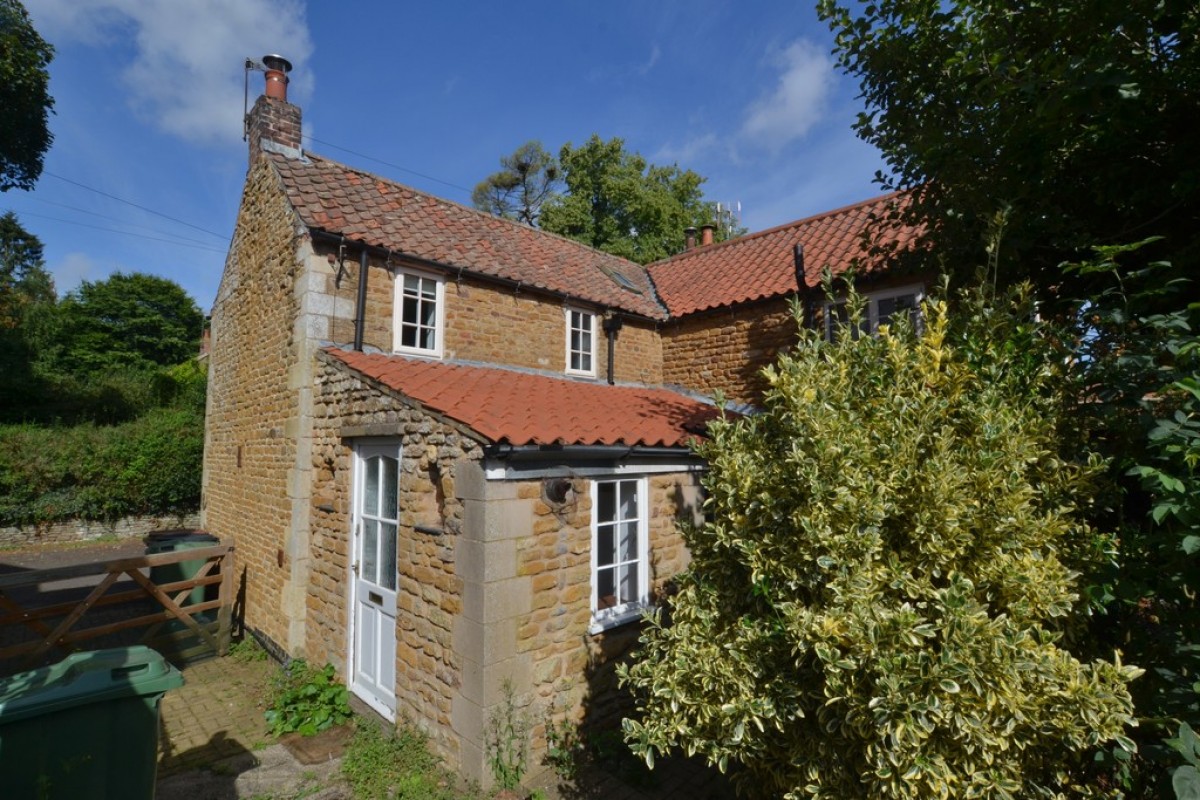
(607, 620)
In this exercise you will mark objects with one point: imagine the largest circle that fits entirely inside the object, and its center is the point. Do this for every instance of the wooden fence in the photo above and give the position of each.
(57, 626)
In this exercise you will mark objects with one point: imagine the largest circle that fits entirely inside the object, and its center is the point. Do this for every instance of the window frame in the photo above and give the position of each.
(439, 323)
(621, 613)
(568, 311)
(872, 306)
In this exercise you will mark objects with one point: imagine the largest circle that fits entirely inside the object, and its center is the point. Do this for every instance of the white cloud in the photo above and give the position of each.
(655, 54)
(798, 100)
(687, 153)
(185, 71)
(74, 269)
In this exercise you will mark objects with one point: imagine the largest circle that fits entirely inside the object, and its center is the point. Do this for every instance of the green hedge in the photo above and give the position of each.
(149, 465)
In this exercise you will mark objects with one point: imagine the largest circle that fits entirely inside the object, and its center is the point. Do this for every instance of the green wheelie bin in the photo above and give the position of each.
(172, 541)
(84, 727)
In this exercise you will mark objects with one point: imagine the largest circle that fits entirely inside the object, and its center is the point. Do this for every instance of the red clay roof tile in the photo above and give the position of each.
(526, 409)
(336, 198)
(762, 265)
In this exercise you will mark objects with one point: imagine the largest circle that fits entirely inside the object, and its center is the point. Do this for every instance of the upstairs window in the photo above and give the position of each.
(419, 313)
(880, 309)
(620, 568)
(581, 343)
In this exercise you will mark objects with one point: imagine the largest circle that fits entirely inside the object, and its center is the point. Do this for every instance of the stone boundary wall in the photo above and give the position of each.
(80, 530)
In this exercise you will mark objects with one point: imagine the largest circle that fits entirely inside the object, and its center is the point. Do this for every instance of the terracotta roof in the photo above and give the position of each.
(526, 409)
(762, 265)
(358, 205)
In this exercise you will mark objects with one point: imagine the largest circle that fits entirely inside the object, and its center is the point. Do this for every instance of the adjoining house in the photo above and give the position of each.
(452, 450)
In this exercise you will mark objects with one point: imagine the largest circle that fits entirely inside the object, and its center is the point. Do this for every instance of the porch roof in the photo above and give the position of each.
(520, 408)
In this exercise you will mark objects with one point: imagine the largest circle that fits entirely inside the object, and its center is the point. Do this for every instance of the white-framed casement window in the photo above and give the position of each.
(881, 307)
(620, 560)
(418, 318)
(581, 342)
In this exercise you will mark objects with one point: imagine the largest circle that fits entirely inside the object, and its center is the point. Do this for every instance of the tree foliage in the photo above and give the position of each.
(26, 288)
(1075, 122)
(617, 202)
(23, 276)
(25, 97)
(881, 602)
(527, 179)
(132, 320)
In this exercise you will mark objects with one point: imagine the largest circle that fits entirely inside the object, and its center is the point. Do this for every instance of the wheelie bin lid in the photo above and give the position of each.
(94, 676)
(179, 536)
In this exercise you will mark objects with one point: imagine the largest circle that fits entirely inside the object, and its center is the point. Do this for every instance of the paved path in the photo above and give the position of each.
(213, 742)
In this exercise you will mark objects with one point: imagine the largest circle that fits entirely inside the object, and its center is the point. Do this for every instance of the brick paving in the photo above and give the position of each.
(216, 718)
(217, 714)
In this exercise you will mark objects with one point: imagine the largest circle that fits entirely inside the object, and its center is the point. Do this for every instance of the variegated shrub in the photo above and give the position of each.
(877, 605)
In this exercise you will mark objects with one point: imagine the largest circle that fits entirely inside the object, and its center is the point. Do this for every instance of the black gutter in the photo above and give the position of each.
(508, 283)
(505, 452)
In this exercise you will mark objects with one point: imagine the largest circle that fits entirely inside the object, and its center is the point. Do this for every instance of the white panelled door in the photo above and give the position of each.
(373, 577)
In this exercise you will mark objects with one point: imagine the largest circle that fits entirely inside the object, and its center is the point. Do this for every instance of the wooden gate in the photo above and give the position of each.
(148, 605)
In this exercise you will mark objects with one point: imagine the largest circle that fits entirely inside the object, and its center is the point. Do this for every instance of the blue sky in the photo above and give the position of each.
(149, 101)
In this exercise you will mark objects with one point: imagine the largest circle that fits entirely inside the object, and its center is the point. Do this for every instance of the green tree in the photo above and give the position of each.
(881, 602)
(1073, 122)
(26, 291)
(126, 321)
(23, 276)
(615, 201)
(527, 179)
(25, 97)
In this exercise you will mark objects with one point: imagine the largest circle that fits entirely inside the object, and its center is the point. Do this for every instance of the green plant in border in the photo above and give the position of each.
(507, 740)
(565, 750)
(879, 605)
(307, 700)
(395, 765)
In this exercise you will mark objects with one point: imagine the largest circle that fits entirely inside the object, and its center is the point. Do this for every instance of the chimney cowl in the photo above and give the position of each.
(277, 68)
(689, 237)
(706, 234)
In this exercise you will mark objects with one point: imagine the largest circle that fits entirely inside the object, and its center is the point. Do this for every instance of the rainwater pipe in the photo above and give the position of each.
(611, 326)
(360, 312)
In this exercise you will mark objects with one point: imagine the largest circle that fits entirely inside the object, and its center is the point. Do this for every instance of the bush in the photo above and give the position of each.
(879, 604)
(148, 466)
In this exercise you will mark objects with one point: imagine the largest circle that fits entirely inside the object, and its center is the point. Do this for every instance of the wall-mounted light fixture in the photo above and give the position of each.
(556, 489)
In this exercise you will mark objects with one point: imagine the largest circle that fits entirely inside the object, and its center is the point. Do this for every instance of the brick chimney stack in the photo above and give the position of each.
(274, 123)
(706, 233)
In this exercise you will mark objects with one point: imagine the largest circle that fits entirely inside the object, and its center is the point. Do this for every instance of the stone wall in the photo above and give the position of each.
(253, 427)
(78, 530)
(488, 323)
(573, 672)
(429, 589)
(526, 563)
(725, 350)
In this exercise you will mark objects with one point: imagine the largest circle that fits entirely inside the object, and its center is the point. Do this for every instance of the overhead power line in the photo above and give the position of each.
(117, 219)
(388, 164)
(176, 220)
(175, 242)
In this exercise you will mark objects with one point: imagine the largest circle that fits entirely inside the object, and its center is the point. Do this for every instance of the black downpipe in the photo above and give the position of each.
(611, 326)
(360, 313)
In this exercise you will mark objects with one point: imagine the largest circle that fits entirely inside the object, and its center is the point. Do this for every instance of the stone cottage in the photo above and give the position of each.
(452, 450)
